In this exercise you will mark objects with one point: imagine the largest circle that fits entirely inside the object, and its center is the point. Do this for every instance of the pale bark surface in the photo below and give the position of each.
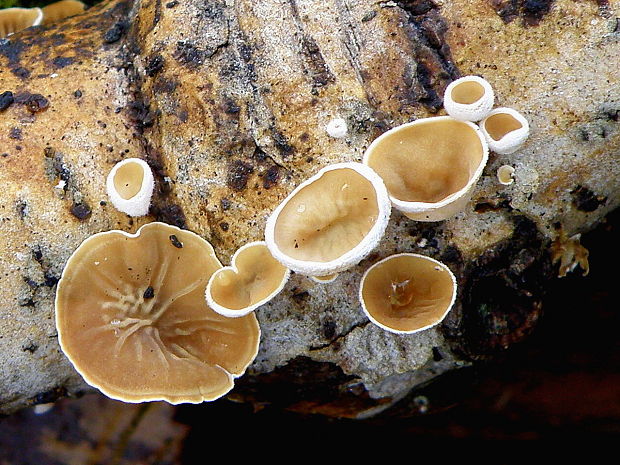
(228, 102)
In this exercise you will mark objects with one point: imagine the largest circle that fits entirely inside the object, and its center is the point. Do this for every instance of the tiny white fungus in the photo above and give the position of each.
(130, 186)
(505, 175)
(337, 128)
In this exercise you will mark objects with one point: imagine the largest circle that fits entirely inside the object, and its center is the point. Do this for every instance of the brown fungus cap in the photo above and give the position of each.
(253, 279)
(407, 293)
(54, 12)
(430, 165)
(331, 221)
(15, 19)
(131, 317)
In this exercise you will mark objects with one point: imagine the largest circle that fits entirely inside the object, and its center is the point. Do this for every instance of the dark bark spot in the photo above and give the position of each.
(81, 210)
(6, 100)
(271, 177)
(224, 225)
(238, 175)
(154, 65)
(21, 72)
(61, 62)
(115, 33)
(49, 396)
(586, 200)
(169, 214)
(189, 55)
(34, 103)
(15, 133)
(32, 348)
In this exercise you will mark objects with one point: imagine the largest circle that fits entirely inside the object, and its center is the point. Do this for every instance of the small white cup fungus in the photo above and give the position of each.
(469, 98)
(337, 128)
(130, 186)
(505, 175)
(505, 130)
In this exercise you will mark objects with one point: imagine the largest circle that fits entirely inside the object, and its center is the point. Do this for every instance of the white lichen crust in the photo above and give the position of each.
(331, 219)
(138, 204)
(253, 281)
(469, 98)
(506, 136)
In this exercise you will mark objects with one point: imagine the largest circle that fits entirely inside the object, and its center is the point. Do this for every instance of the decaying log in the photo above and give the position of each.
(228, 102)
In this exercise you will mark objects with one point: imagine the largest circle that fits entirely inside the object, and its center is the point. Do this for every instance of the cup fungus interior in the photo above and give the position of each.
(427, 161)
(257, 278)
(500, 124)
(128, 180)
(327, 217)
(407, 292)
(15, 19)
(63, 9)
(132, 318)
(467, 92)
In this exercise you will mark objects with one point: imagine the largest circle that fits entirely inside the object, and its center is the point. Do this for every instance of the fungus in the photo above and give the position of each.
(505, 130)
(331, 221)
(469, 98)
(337, 128)
(407, 293)
(430, 166)
(330, 278)
(13, 20)
(505, 175)
(253, 279)
(130, 186)
(63, 9)
(137, 345)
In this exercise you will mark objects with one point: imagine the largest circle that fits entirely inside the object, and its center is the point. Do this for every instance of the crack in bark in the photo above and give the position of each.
(337, 339)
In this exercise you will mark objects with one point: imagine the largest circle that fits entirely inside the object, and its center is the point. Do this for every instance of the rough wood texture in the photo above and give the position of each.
(228, 102)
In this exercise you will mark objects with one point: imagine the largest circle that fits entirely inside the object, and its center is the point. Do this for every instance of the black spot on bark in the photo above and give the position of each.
(6, 100)
(81, 210)
(170, 214)
(154, 65)
(61, 62)
(299, 297)
(225, 204)
(15, 133)
(49, 396)
(238, 175)
(21, 72)
(140, 114)
(586, 200)
(532, 12)
(329, 329)
(32, 348)
(115, 33)
(189, 55)
(271, 177)
(34, 103)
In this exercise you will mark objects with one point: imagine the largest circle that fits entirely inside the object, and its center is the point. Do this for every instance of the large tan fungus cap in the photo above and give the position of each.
(132, 318)
(407, 293)
(469, 98)
(331, 221)
(253, 279)
(59, 10)
(505, 130)
(430, 166)
(13, 20)
(130, 186)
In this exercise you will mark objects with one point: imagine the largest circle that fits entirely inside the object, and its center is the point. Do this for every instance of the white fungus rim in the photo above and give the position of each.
(354, 255)
(396, 331)
(233, 313)
(511, 141)
(154, 398)
(320, 280)
(138, 205)
(505, 175)
(434, 207)
(469, 111)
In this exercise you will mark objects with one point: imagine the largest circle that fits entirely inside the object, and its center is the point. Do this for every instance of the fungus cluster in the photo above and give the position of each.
(161, 319)
(13, 20)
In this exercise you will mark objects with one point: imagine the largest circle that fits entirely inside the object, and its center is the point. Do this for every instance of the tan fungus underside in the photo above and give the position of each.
(427, 162)
(15, 19)
(407, 293)
(467, 92)
(60, 10)
(128, 180)
(328, 217)
(135, 348)
(259, 276)
(500, 124)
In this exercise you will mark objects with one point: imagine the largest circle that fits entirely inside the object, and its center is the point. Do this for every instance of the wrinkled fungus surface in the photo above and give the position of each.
(132, 318)
(253, 279)
(406, 293)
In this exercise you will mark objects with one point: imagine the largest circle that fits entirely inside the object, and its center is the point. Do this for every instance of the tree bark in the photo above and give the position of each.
(228, 102)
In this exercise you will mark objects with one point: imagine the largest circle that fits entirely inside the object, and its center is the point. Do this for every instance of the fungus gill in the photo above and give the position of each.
(132, 318)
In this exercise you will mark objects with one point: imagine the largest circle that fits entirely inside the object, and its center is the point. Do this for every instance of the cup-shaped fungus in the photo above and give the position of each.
(328, 278)
(469, 98)
(505, 130)
(430, 166)
(132, 318)
(331, 221)
(13, 20)
(130, 186)
(407, 293)
(63, 9)
(253, 279)
(505, 175)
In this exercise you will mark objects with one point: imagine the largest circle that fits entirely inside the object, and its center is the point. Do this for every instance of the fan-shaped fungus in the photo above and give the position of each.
(13, 20)
(407, 293)
(253, 279)
(331, 221)
(505, 130)
(132, 318)
(469, 98)
(130, 186)
(430, 166)
(63, 9)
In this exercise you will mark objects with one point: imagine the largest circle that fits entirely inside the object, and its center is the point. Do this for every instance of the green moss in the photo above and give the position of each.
(8, 3)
